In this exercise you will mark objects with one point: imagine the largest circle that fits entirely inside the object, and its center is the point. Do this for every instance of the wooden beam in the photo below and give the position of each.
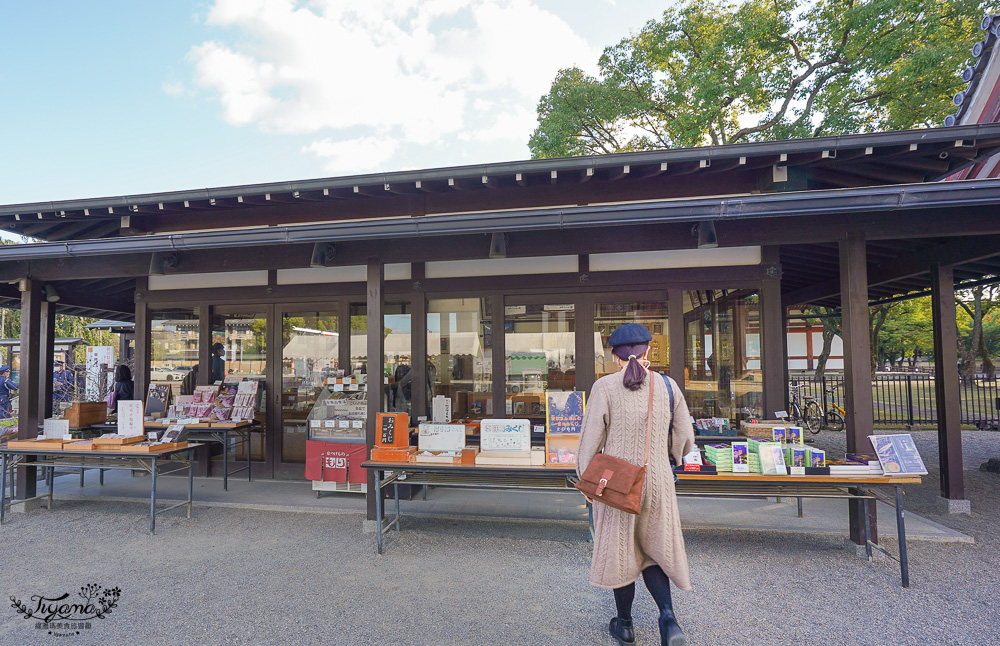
(772, 321)
(28, 394)
(375, 362)
(958, 251)
(418, 343)
(676, 335)
(946, 382)
(46, 358)
(858, 401)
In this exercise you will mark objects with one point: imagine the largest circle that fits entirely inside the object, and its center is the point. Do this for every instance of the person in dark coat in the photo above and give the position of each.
(218, 363)
(7, 390)
(124, 386)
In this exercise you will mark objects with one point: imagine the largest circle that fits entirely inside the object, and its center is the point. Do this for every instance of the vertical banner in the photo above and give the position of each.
(97, 355)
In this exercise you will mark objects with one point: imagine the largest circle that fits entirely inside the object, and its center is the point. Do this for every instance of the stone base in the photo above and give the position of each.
(953, 506)
(369, 526)
(23, 506)
(859, 551)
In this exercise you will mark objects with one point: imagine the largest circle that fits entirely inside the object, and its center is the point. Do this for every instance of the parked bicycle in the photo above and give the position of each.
(810, 414)
(805, 411)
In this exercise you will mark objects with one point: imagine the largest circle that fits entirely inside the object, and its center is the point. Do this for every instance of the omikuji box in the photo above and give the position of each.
(392, 430)
(380, 454)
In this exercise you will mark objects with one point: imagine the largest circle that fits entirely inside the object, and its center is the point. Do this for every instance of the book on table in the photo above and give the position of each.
(898, 455)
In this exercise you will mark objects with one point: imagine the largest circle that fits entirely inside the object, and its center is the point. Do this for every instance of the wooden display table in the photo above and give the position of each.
(12, 458)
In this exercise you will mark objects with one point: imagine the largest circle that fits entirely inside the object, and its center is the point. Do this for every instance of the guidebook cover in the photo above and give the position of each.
(564, 411)
(772, 460)
(741, 462)
(898, 455)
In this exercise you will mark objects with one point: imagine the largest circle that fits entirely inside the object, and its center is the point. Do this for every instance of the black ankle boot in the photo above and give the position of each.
(621, 630)
(670, 633)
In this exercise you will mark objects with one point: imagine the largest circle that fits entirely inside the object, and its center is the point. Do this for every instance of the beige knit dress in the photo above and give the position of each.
(615, 421)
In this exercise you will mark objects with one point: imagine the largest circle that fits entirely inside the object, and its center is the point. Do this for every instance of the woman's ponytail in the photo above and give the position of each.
(635, 374)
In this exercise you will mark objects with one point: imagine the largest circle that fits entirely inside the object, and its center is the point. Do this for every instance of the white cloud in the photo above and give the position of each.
(429, 72)
(173, 88)
(353, 156)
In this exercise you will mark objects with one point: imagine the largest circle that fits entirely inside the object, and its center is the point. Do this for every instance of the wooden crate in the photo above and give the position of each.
(152, 449)
(111, 442)
(382, 454)
(51, 444)
(763, 428)
(82, 414)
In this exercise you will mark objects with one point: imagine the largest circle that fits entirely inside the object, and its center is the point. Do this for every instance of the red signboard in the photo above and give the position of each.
(335, 461)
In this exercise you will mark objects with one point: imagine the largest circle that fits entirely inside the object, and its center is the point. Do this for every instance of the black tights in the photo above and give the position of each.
(656, 582)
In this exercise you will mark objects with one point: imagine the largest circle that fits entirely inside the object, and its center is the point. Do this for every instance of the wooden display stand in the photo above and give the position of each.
(556, 441)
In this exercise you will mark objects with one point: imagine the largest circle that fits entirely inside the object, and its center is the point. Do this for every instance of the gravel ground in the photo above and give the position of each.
(232, 576)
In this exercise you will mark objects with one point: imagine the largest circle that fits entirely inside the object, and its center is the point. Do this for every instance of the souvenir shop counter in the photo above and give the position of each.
(153, 461)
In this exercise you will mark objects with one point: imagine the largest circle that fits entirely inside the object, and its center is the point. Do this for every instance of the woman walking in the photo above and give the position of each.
(649, 544)
(124, 387)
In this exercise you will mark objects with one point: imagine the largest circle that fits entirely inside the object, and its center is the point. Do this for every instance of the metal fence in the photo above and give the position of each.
(908, 399)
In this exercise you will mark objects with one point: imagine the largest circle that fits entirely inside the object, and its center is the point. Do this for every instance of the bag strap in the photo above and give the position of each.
(649, 423)
(670, 394)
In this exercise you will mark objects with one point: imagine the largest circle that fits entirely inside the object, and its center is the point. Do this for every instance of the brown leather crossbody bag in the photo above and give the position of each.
(616, 482)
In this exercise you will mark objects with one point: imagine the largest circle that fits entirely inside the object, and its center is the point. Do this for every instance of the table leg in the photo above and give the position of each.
(225, 461)
(82, 469)
(3, 488)
(247, 443)
(152, 497)
(904, 564)
(101, 476)
(190, 457)
(395, 487)
(868, 530)
(52, 484)
(378, 509)
(800, 507)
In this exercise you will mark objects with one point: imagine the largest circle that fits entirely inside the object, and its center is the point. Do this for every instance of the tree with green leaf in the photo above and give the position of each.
(716, 72)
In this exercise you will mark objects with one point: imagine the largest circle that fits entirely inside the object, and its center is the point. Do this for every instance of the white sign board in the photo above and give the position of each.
(505, 435)
(97, 355)
(55, 428)
(130, 417)
(441, 437)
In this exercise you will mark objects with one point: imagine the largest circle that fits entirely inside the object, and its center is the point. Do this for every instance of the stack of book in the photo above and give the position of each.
(754, 461)
(721, 455)
(845, 467)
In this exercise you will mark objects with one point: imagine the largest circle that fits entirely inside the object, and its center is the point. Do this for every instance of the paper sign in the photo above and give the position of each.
(441, 437)
(55, 428)
(780, 414)
(330, 423)
(344, 423)
(357, 423)
(505, 435)
(338, 388)
(316, 423)
(130, 418)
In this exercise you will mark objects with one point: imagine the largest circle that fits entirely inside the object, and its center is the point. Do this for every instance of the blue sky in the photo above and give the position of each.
(115, 98)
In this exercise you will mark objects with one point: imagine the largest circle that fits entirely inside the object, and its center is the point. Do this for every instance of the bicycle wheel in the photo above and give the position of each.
(812, 417)
(835, 421)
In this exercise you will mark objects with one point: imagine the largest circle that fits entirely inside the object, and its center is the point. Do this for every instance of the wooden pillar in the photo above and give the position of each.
(143, 334)
(857, 361)
(946, 390)
(375, 362)
(676, 335)
(46, 357)
(772, 337)
(418, 344)
(28, 392)
(584, 349)
(205, 345)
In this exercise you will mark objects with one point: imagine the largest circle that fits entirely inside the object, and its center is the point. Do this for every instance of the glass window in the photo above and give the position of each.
(459, 357)
(398, 351)
(238, 352)
(309, 355)
(174, 349)
(652, 314)
(722, 354)
(540, 356)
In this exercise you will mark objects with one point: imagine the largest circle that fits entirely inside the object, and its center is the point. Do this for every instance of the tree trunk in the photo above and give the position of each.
(984, 354)
(970, 352)
(831, 328)
(878, 320)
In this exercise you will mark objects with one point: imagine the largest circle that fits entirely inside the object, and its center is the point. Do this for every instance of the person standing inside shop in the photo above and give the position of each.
(124, 386)
(7, 390)
(649, 544)
(218, 363)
